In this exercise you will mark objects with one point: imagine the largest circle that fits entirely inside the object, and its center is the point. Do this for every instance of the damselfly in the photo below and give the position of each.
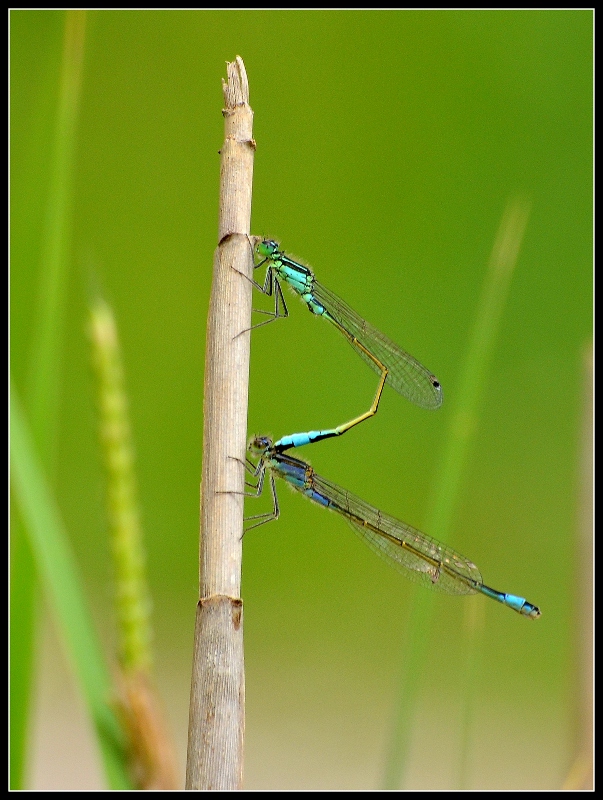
(407, 549)
(396, 367)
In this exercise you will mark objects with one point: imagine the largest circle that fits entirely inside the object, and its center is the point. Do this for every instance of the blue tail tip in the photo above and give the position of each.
(521, 605)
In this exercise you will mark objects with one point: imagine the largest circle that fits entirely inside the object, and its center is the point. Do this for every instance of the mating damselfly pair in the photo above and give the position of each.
(413, 553)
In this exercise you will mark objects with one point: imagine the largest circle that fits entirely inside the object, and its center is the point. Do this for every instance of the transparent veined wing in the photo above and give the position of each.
(407, 549)
(406, 375)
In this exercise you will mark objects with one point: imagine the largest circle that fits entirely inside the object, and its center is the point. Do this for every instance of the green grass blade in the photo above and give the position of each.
(43, 380)
(58, 571)
(447, 486)
(22, 634)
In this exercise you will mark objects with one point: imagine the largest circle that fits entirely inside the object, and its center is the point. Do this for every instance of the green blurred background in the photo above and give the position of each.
(388, 144)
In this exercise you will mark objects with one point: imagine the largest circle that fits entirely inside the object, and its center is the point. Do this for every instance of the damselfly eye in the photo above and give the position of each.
(259, 444)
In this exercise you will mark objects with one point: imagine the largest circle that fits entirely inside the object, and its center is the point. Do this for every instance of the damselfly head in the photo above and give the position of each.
(267, 248)
(259, 444)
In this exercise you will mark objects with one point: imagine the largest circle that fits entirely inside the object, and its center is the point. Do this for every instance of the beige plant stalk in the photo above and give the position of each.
(216, 714)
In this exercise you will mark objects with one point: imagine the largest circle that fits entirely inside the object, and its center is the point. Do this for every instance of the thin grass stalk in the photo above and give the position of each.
(151, 752)
(581, 772)
(133, 602)
(43, 384)
(216, 714)
(449, 481)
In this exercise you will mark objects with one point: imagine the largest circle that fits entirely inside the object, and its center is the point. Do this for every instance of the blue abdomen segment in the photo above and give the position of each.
(313, 304)
(519, 604)
(300, 439)
(319, 498)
